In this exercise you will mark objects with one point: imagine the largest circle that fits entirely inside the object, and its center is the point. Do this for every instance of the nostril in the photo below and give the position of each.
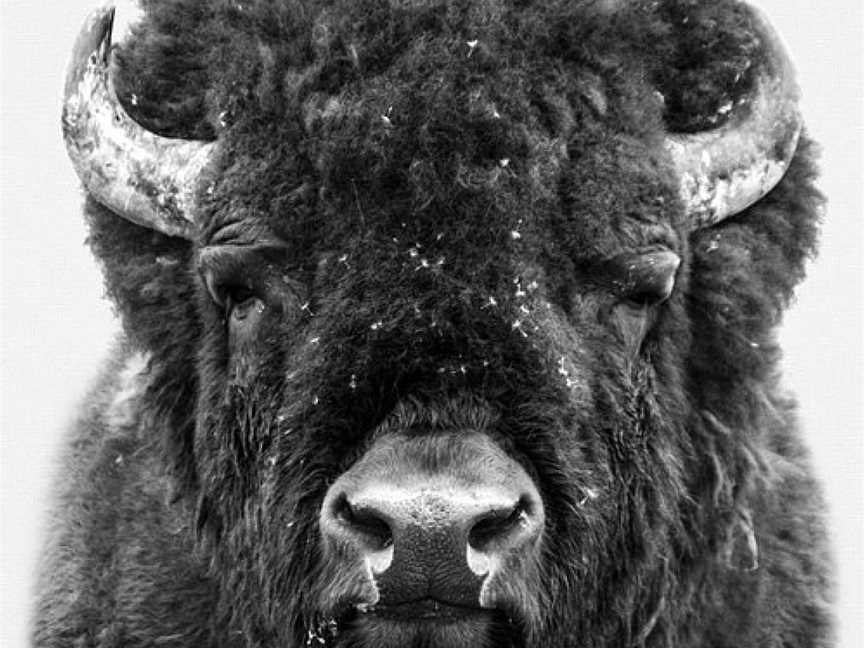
(364, 522)
(498, 524)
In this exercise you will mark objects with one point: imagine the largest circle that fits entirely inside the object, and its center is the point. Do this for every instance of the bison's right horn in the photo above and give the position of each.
(724, 171)
(141, 176)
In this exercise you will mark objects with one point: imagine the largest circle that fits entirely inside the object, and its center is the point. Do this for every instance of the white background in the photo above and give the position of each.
(56, 326)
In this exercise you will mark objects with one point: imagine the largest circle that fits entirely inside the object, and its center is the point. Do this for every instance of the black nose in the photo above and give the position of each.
(436, 534)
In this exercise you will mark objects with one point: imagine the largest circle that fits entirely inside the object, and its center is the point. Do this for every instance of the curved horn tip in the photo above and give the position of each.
(93, 40)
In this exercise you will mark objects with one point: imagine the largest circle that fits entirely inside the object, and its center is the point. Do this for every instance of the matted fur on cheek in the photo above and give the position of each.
(242, 377)
(259, 337)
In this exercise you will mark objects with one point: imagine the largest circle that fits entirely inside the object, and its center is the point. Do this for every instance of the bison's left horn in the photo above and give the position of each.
(141, 176)
(724, 171)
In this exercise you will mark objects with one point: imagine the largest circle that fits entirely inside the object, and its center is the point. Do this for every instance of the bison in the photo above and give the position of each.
(447, 323)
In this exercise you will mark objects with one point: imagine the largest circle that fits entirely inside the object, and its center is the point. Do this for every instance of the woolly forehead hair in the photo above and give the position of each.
(403, 104)
(197, 68)
(330, 48)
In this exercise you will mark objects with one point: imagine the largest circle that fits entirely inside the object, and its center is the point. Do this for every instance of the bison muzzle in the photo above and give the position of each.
(432, 528)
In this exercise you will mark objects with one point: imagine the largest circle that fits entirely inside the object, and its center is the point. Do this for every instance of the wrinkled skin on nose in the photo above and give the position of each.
(434, 525)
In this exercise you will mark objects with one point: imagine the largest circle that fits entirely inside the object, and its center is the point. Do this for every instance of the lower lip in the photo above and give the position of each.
(426, 610)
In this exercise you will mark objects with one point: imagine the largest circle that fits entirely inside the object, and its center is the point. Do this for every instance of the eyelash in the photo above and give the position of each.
(650, 278)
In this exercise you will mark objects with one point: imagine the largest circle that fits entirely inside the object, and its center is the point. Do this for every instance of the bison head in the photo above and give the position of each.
(453, 338)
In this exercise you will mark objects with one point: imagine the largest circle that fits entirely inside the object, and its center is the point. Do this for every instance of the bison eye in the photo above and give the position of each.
(227, 295)
(643, 281)
(241, 279)
(649, 279)
(240, 301)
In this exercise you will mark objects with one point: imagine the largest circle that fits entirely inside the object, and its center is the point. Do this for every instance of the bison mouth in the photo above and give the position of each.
(427, 609)
(426, 622)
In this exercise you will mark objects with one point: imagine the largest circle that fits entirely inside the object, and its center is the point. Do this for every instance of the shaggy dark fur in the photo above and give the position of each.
(436, 192)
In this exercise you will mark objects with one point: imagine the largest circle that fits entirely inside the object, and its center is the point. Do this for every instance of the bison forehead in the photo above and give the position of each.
(382, 187)
(457, 120)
